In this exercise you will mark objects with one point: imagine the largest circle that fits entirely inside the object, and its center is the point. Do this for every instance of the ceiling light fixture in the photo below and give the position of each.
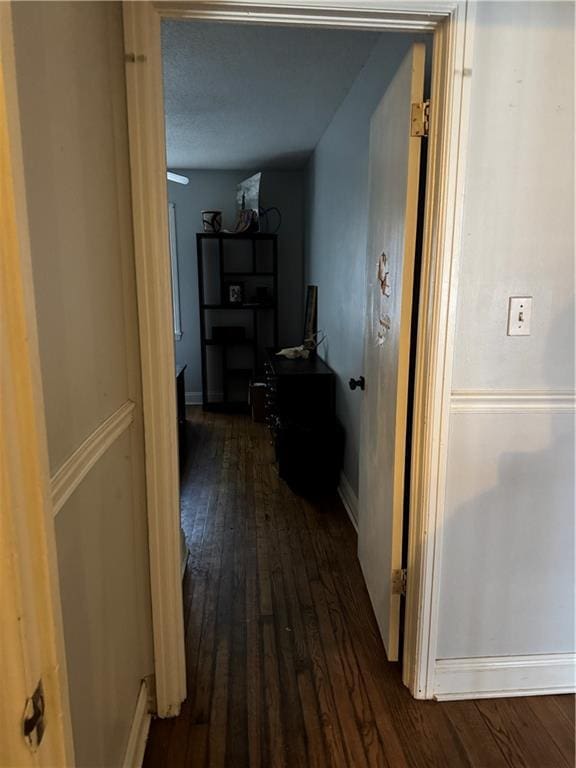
(177, 178)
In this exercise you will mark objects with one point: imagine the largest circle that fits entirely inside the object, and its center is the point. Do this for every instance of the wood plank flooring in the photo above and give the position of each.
(285, 665)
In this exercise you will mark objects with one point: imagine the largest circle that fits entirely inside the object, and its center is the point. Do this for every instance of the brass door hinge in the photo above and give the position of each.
(420, 119)
(132, 58)
(399, 579)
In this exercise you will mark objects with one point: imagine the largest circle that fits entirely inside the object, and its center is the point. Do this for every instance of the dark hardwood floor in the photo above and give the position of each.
(285, 664)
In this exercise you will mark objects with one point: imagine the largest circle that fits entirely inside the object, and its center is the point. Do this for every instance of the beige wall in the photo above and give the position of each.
(72, 97)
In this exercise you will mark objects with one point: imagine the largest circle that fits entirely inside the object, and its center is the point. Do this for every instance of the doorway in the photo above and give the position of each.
(317, 189)
(142, 30)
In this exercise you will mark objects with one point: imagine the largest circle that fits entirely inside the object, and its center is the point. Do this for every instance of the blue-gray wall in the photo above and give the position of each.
(217, 190)
(337, 217)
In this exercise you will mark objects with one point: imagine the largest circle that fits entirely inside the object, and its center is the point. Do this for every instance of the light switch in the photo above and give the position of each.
(519, 315)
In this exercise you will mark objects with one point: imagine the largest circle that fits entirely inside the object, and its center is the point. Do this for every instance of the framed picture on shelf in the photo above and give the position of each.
(311, 317)
(234, 293)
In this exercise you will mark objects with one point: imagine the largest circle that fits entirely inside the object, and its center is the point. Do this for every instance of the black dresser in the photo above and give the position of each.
(301, 414)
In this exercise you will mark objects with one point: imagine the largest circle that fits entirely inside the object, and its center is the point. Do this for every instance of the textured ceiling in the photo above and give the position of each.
(247, 97)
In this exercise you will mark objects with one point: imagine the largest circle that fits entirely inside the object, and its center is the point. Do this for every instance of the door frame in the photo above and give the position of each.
(452, 25)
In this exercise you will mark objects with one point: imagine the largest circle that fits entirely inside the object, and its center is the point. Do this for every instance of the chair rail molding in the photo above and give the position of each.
(136, 747)
(513, 400)
(76, 467)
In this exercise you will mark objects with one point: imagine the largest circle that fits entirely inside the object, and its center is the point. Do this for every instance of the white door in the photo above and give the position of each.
(394, 175)
(32, 659)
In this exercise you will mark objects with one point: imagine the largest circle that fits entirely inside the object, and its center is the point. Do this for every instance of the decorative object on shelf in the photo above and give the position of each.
(211, 221)
(269, 219)
(312, 339)
(304, 352)
(248, 197)
(291, 353)
(234, 293)
(252, 215)
(247, 221)
(311, 318)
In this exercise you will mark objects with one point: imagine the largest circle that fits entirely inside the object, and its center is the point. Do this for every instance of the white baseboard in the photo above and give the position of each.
(349, 499)
(134, 755)
(495, 676)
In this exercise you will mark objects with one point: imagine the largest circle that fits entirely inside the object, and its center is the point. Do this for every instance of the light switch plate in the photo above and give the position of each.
(519, 315)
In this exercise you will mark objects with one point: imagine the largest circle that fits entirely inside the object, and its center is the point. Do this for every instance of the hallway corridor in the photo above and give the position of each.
(285, 667)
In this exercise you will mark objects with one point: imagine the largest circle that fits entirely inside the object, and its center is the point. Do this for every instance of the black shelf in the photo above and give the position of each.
(246, 307)
(229, 343)
(250, 236)
(259, 313)
(248, 274)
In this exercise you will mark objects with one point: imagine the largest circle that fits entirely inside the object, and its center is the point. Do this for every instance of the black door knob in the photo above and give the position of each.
(353, 383)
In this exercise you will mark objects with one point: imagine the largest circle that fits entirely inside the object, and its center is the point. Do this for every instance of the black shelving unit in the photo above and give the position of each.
(259, 312)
